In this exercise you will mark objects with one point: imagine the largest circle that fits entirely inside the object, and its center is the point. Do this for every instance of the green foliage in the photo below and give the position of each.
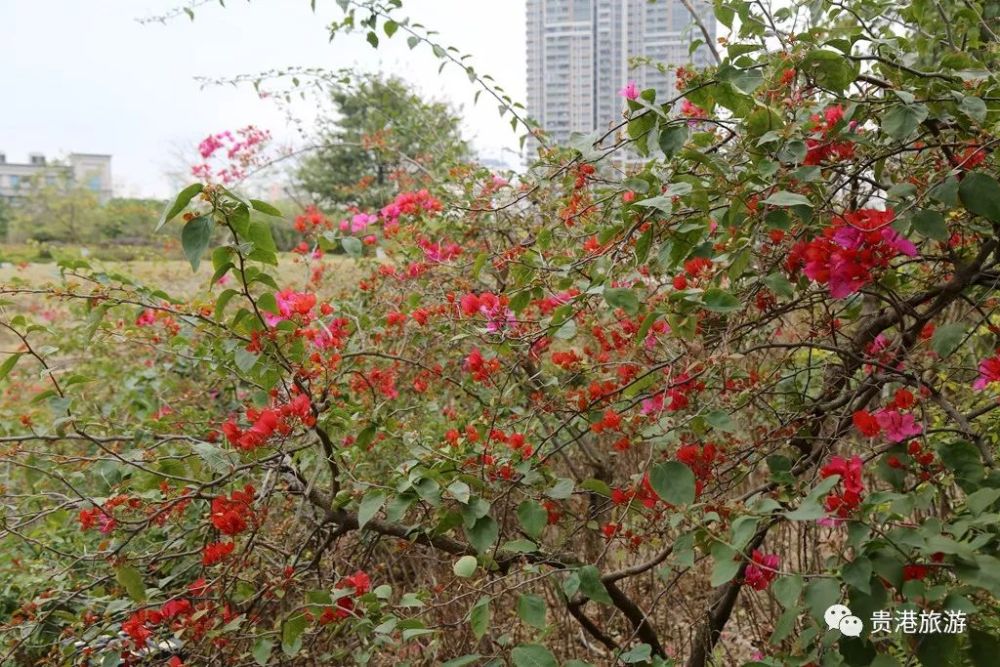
(380, 136)
(749, 377)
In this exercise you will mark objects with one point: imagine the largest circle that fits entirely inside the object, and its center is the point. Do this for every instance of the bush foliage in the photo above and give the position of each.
(662, 400)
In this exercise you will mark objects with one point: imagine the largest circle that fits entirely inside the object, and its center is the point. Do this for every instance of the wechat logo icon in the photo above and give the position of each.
(839, 617)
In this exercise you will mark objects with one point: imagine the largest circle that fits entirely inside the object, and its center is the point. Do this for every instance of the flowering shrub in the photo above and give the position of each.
(568, 417)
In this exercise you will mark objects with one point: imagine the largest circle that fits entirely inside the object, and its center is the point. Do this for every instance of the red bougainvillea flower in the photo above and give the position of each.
(489, 305)
(216, 552)
(229, 515)
(914, 571)
(866, 422)
(136, 625)
(268, 422)
(176, 607)
(898, 426)
(761, 570)
(407, 204)
(847, 497)
(822, 146)
(850, 250)
(359, 581)
(989, 372)
(480, 367)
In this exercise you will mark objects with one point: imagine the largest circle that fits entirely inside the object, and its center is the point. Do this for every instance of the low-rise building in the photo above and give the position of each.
(86, 170)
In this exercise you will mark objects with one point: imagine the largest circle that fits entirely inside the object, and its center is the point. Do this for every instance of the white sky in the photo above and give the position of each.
(84, 76)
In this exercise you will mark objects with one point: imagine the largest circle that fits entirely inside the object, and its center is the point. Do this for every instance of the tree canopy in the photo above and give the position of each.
(383, 137)
(736, 403)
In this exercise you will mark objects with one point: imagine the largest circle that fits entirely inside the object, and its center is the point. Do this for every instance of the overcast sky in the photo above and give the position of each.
(84, 76)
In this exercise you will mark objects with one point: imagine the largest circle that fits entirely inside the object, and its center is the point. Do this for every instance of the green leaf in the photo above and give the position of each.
(463, 661)
(291, 634)
(460, 491)
(370, 505)
(902, 120)
(744, 80)
(984, 647)
(964, 460)
(8, 365)
(673, 138)
(195, 237)
(479, 617)
(622, 297)
(638, 653)
(465, 566)
(974, 108)
(780, 285)
(519, 546)
(786, 198)
(940, 650)
(673, 482)
(533, 518)
(786, 590)
(245, 359)
(179, 204)
(858, 573)
(784, 626)
(531, 610)
(980, 195)
(483, 534)
(719, 300)
(820, 594)
(829, 69)
(661, 203)
(352, 246)
(131, 580)
(726, 563)
(533, 655)
(591, 585)
(265, 208)
(947, 338)
(219, 460)
(562, 489)
(262, 651)
(930, 224)
(720, 419)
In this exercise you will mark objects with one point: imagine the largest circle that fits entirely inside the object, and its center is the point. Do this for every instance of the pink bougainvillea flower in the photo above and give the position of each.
(898, 426)
(989, 372)
(291, 303)
(630, 91)
(850, 251)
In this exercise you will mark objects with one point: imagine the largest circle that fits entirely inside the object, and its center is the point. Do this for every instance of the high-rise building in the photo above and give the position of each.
(579, 52)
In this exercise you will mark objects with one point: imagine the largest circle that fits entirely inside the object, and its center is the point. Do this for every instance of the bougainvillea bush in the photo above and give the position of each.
(664, 399)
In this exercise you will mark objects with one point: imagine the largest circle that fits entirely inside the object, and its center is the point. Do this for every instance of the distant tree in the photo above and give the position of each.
(383, 137)
(5, 214)
(54, 209)
(128, 219)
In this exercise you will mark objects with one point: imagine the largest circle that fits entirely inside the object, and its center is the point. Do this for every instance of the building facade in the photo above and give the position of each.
(579, 52)
(87, 170)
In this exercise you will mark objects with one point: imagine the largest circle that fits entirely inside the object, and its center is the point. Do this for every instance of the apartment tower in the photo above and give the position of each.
(579, 52)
